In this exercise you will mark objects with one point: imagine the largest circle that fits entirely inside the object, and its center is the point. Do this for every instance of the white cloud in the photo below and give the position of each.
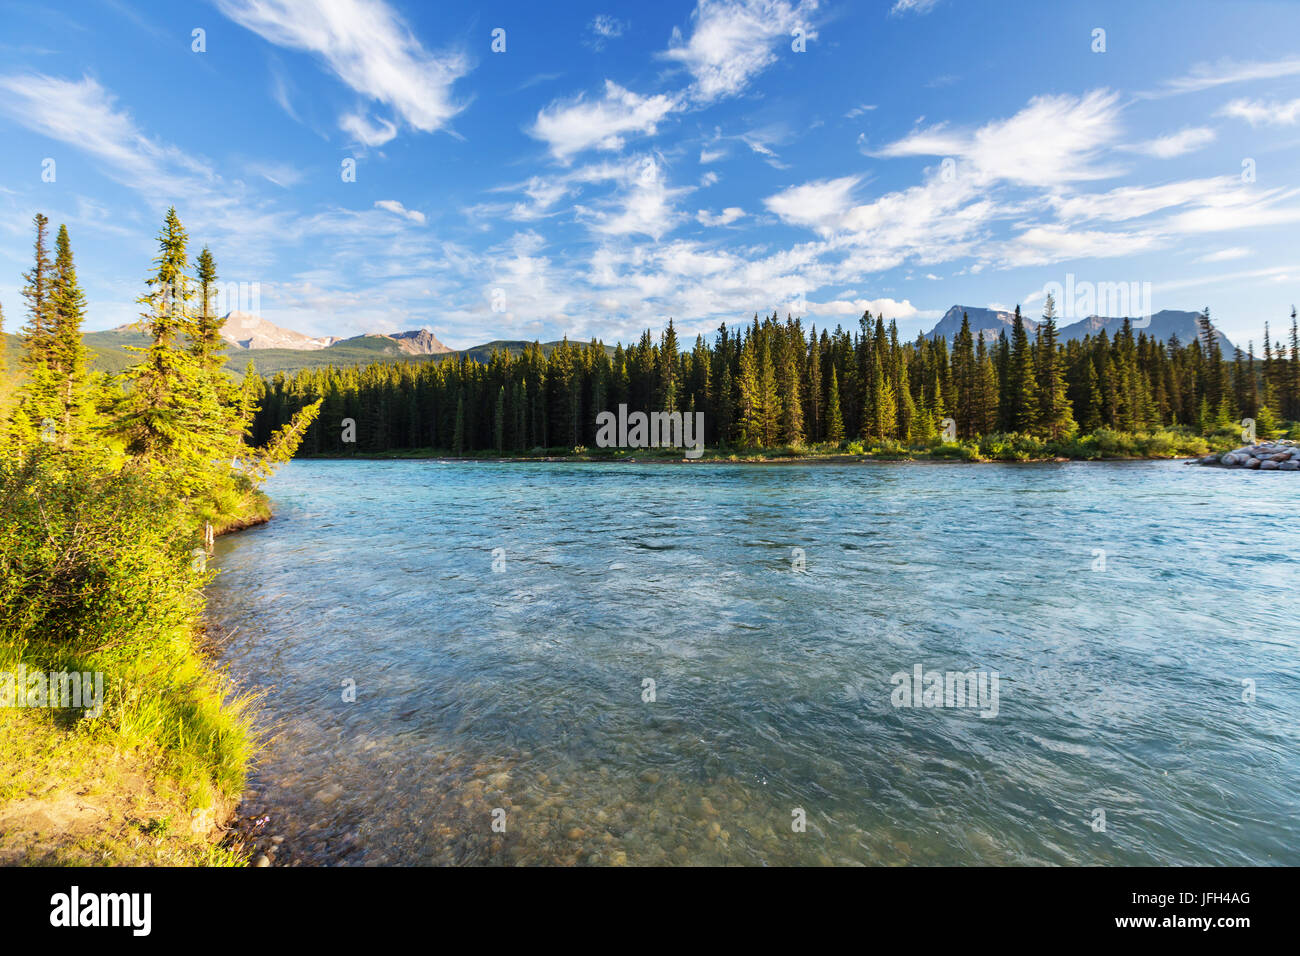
(859, 110)
(888, 308)
(1134, 202)
(820, 205)
(366, 132)
(84, 114)
(1226, 255)
(1264, 113)
(1053, 140)
(912, 6)
(724, 218)
(604, 27)
(932, 222)
(732, 41)
(581, 124)
(644, 205)
(282, 174)
(1176, 144)
(395, 207)
(368, 46)
(1238, 206)
(1044, 245)
(1206, 76)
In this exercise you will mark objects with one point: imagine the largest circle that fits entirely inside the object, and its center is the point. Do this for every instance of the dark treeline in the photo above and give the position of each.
(771, 383)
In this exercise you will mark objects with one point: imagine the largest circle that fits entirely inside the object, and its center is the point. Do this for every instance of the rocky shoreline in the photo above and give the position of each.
(1281, 455)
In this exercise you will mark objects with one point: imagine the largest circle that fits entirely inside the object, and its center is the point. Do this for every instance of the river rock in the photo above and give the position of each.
(1291, 465)
(1230, 458)
(1268, 464)
(1252, 462)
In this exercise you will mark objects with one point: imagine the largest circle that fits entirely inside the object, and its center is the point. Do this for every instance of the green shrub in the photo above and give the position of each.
(92, 556)
(98, 574)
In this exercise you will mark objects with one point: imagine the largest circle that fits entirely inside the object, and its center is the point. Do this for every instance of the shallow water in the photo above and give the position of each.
(521, 690)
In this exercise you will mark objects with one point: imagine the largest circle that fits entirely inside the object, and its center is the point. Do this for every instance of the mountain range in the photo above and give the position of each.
(990, 323)
(249, 332)
(272, 349)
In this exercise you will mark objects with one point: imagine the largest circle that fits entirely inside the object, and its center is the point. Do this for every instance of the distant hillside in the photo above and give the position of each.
(108, 353)
(419, 342)
(252, 333)
(247, 331)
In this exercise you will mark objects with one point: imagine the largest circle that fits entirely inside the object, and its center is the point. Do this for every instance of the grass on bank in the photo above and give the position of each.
(1104, 444)
(98, 574)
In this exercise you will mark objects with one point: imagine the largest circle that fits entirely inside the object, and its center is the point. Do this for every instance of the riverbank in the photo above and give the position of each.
(144, 762)
(1102, 445)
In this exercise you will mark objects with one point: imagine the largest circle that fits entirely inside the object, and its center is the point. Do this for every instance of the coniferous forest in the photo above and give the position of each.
(774, 384)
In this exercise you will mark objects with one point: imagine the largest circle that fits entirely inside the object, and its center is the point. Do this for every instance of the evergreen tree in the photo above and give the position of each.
(964, 373)
(669, 357)
(1265, 423)
(834, 421)
(37, 292)
(984, 400)
(458, 433)
(814, 398)
(1054, 417)
(882, 422)
(156, 416)
(1021, 387)
(770, 400)
(792, 432)
(726, 413)
(500, 420)
(751, 399)
(66, 353)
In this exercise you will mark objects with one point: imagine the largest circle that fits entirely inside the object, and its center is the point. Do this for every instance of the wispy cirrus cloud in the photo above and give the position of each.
(1205, 76)
(604, 28)
(84, 114)
(902, 7)
(1015, 149)
(1264, 112)
(1226, 255)
(1175, 144)
(367, 46)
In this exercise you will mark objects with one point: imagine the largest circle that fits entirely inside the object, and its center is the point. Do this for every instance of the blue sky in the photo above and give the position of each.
(618, 163)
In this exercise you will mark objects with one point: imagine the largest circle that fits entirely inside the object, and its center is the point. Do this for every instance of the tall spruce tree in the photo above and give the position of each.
(1021, 387)
(157, 417)
(1053, 410)
(66, 355)
(834, 420)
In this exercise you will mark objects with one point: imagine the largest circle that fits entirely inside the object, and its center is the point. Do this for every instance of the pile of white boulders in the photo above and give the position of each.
(1282, 455)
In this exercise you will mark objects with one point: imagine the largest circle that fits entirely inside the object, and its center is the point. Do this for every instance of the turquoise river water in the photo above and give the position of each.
(695, 664)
